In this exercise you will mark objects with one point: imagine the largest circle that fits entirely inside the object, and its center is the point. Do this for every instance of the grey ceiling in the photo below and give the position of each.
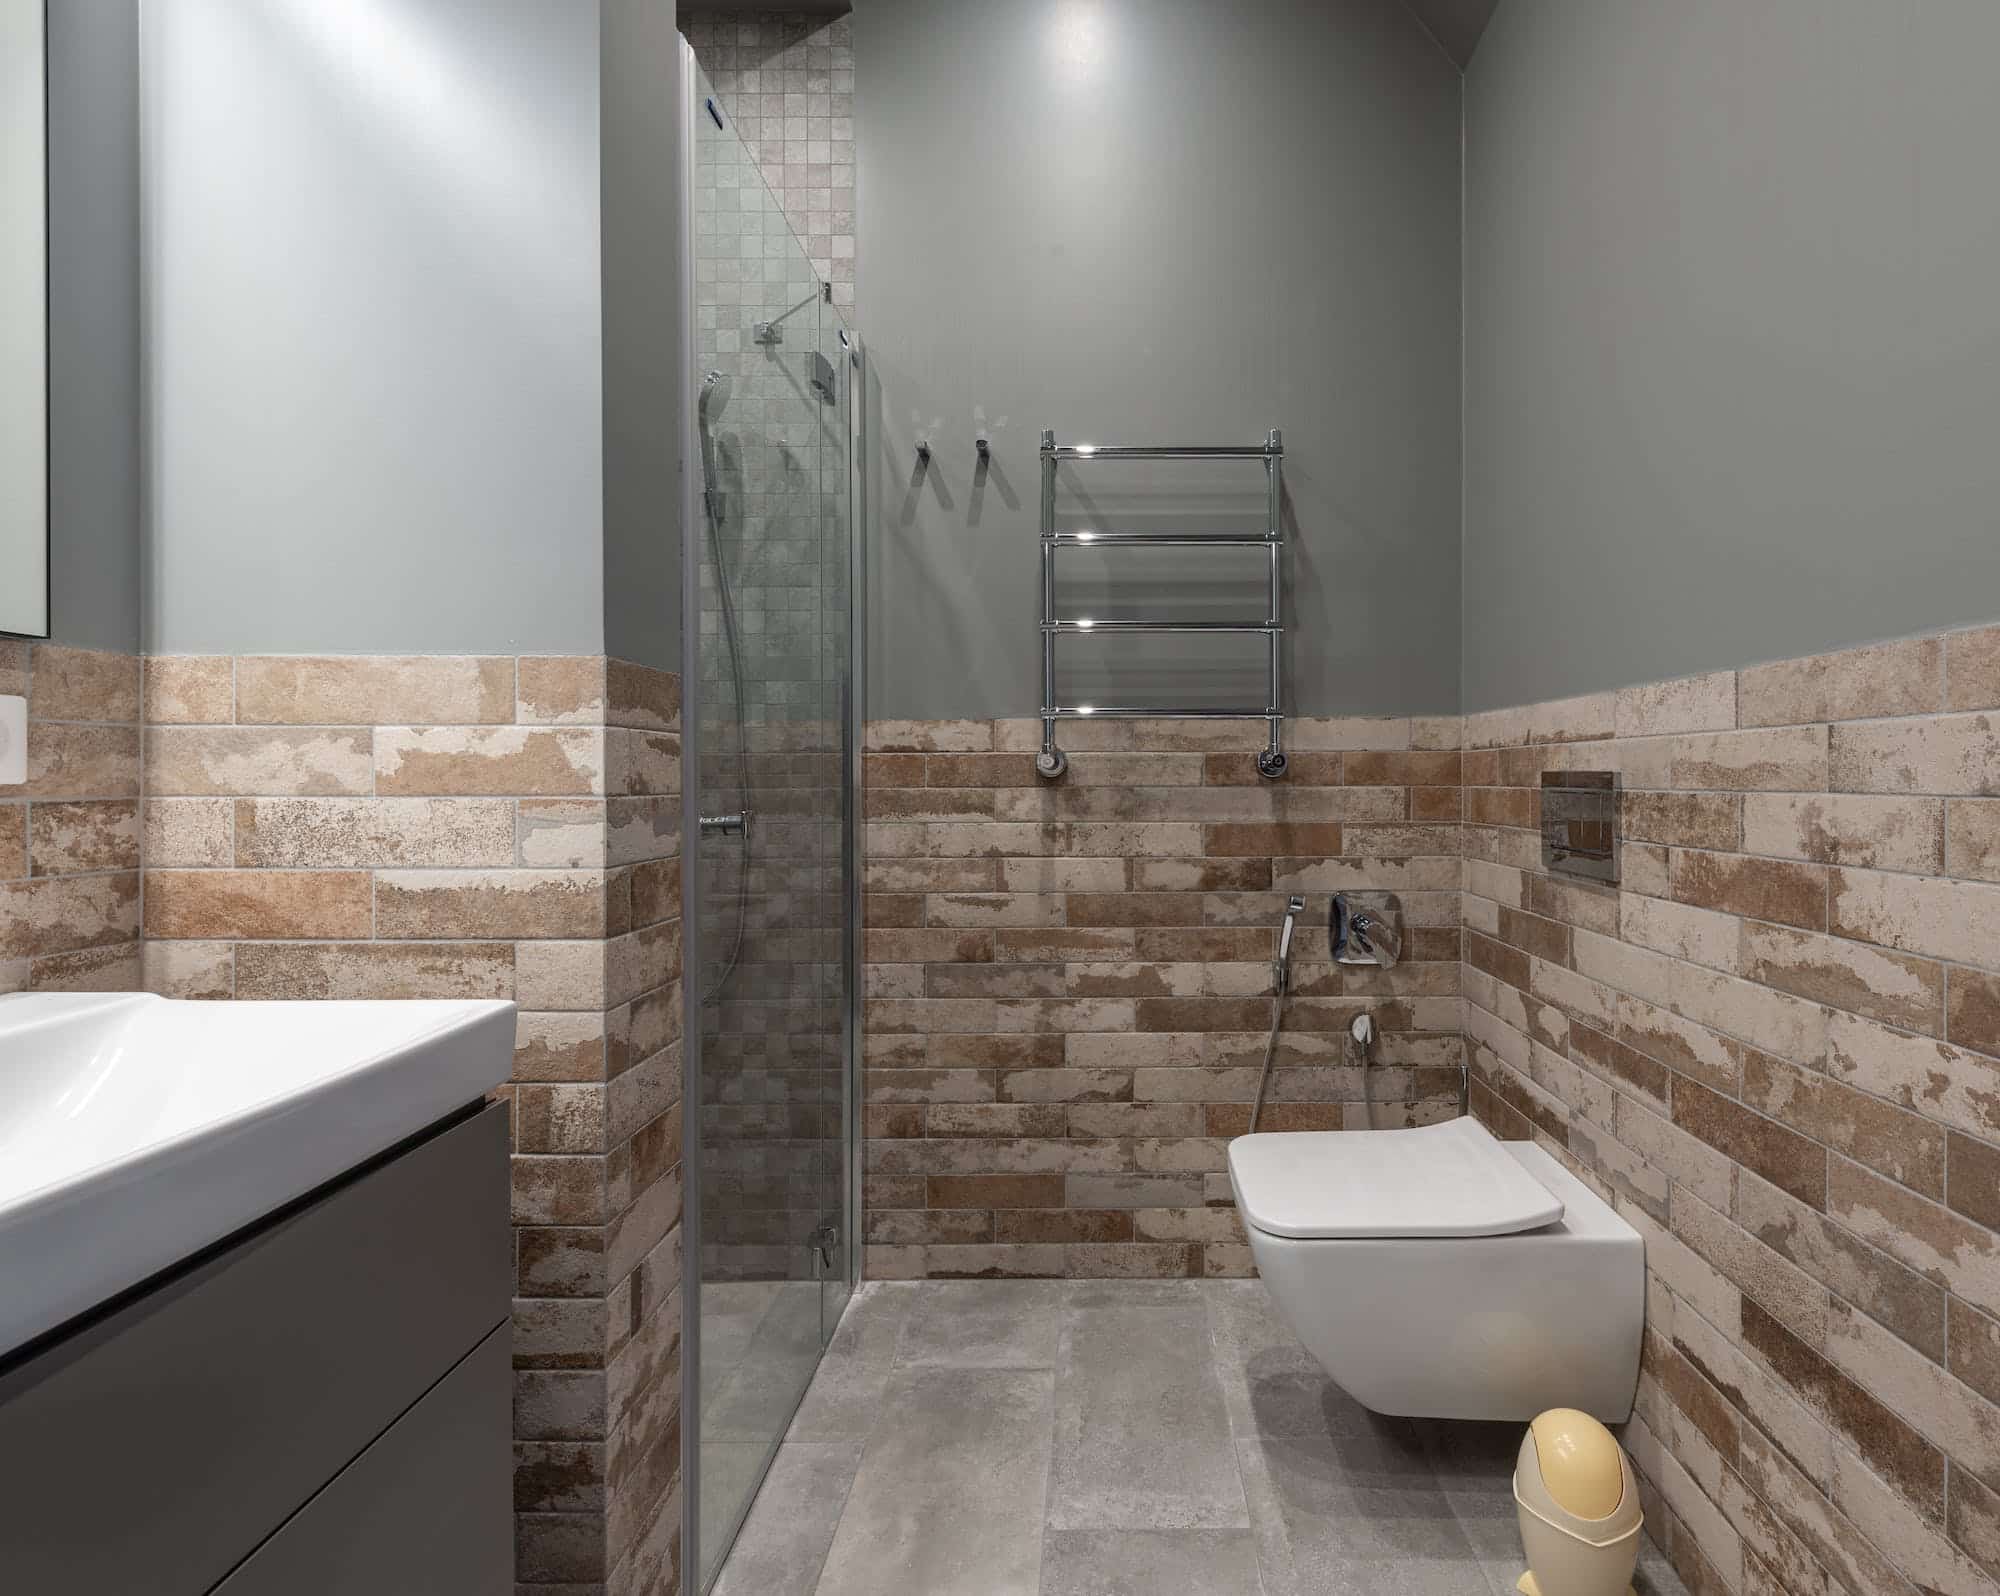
(818, 8)
(1455, 24)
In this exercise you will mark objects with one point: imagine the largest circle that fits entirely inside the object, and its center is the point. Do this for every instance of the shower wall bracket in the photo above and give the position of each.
(1051, 763)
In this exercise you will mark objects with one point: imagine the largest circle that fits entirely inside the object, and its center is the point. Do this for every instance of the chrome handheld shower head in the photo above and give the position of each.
(714, 396)
(1281, 966)
(1293, 910)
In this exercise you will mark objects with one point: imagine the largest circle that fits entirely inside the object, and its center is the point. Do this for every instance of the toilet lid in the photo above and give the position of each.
(1453, 1179)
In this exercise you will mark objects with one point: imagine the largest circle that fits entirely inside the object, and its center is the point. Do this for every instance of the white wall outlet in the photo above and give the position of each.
(13, 740)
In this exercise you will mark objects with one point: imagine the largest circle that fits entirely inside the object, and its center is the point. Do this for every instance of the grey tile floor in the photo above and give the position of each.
(1115, 1438)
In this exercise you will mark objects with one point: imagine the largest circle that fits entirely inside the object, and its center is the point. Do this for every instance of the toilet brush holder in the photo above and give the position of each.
(1578, 1503)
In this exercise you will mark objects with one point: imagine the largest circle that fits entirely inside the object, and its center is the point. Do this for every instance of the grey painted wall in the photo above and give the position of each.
(374, 320)
(1731, 334)
(640, 152)
(1146, 221)
(94, 451)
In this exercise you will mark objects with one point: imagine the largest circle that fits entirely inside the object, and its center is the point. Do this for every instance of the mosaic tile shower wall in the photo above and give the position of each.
(786, 81)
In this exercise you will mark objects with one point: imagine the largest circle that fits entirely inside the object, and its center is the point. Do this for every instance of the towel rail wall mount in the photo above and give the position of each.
(1051, 763)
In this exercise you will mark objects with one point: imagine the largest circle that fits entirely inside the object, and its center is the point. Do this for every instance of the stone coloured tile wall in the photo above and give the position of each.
(442, 826)
(786, 80)
(69, 838)
(1068, 984)
(1776, 1048)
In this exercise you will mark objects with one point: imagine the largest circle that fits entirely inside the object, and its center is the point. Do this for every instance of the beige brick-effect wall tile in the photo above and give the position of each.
(189, 689)
(386, 827)
(511, 904)
(13, 840)
(1069, 984)
(82, 684)
(188, 832)
(357, 833)
(1948, 754)
(374, 690)
(1972, 669)
(477, 761)
(212, 904)
(560, 689)
(1779, 1056)
(83, 835)
(69, 835)
(236, 761)
(62, 914)
(1691, 704)
(1904, 678)
(1972, 839)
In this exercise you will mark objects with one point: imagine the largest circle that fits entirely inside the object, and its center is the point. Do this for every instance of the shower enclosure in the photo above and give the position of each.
(770, 761)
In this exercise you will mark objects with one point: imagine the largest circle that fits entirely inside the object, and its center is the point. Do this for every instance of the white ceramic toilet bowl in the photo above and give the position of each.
(1442, 1273)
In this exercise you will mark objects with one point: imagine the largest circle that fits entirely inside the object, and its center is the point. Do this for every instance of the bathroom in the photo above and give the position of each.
(999, 796)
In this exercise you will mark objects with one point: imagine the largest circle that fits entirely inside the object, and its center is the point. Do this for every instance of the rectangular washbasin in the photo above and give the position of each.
(135, 1130)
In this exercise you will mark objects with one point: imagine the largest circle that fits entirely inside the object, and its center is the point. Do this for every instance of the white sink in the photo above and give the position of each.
(136, 1130)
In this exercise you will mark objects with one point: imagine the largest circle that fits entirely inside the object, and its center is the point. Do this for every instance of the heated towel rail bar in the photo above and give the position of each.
(1051, 763)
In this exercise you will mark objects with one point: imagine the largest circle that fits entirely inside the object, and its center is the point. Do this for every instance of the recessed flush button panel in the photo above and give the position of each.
(1580, 824)
(13, 740)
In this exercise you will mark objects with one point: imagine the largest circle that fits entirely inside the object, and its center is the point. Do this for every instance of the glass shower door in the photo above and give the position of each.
(769, 685)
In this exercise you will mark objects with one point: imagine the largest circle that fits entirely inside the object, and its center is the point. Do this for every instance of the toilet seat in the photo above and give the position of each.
(1453, 1179)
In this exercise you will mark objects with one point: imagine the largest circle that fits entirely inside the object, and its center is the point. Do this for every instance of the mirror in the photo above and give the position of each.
(24, 337)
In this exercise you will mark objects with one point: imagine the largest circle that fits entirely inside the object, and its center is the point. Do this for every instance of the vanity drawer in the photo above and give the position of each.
(155, 1448)
(428, 1508)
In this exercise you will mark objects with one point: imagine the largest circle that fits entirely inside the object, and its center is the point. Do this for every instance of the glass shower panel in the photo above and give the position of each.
(770, 693)
(832, 759)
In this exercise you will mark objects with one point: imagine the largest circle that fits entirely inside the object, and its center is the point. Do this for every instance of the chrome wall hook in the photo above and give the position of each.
(985, 449)
(923, 452)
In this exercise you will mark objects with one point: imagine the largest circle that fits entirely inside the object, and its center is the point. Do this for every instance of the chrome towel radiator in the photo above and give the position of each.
(1051, 763)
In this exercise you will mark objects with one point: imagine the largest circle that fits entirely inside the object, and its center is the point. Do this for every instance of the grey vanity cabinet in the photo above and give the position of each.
(321, 1407)
(415, 1513)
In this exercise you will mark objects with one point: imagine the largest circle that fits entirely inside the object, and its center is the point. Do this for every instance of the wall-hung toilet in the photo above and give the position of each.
(1442, 1273)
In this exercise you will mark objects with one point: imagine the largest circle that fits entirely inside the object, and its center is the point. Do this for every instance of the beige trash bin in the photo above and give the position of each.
(1579, 1508)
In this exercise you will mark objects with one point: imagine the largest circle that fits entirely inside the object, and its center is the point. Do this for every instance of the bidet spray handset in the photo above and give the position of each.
(1281, 966)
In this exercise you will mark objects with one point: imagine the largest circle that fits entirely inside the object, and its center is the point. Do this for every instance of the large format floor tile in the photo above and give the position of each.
(1353, 1512)
(1142, 1439)
(983, 1324)
(845, 1400)
(948, 1500)
(784, 1542)
(1126, 1562)
(1116, 1438)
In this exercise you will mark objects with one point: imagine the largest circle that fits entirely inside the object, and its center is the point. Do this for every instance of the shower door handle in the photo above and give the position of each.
(725, 825)
(823, 1241)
